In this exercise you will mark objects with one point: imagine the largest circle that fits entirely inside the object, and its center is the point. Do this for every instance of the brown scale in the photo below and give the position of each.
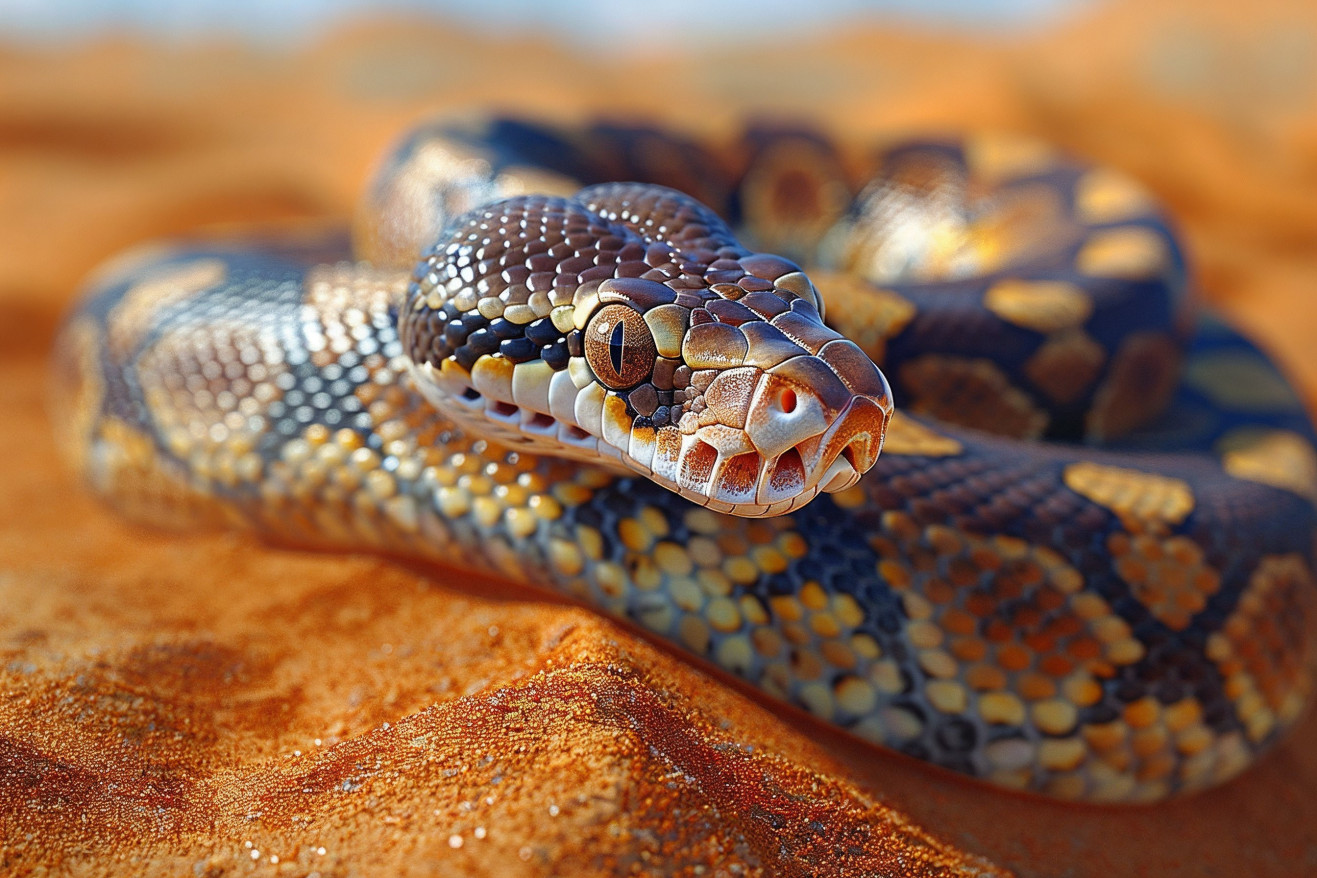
(660, 214)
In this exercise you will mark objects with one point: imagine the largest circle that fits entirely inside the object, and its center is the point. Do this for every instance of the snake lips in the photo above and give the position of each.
(628, 327)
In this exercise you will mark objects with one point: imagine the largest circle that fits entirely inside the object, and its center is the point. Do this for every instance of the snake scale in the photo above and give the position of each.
(1081, 566)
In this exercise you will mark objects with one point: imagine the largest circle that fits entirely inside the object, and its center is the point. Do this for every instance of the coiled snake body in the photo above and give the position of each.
(601, 391)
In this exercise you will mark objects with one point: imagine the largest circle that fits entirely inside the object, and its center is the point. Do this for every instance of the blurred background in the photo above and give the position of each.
(594, 23)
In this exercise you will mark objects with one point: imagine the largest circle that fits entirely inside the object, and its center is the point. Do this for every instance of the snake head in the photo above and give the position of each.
(628, 328)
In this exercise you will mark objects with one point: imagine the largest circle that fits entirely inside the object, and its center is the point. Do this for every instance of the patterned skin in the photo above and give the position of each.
(628, 325)
(565, 371)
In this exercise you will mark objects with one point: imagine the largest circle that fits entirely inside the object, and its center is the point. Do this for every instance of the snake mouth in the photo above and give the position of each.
(851, 447)
(831, 462)
(740, 480)
(723, 467)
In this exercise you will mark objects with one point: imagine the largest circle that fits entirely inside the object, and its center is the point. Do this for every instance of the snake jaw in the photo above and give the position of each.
(853, 444)
(768, 466)
(829, 462)
(815, 430)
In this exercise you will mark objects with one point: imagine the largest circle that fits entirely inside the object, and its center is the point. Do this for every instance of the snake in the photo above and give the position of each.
(944, 455)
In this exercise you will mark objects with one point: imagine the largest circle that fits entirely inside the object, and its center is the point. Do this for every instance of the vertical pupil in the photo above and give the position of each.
(615, 344)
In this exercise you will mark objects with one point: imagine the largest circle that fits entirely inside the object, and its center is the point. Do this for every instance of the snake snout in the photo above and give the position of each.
(814, 430)
(852, 446)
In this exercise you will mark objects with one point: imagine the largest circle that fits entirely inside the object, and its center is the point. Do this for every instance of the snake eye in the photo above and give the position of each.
(619, 346)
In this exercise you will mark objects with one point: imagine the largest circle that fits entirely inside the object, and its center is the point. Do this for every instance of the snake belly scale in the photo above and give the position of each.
(589, 384)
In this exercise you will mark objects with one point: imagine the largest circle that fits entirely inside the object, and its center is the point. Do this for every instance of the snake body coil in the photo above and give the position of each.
(601, 391)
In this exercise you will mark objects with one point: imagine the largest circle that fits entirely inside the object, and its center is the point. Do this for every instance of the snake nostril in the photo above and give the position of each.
(786, 400)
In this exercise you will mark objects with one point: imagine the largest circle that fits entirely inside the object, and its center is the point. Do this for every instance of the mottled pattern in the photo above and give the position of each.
(1110, 625)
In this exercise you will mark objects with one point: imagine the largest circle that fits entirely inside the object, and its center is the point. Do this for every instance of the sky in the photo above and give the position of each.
(630, 24)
